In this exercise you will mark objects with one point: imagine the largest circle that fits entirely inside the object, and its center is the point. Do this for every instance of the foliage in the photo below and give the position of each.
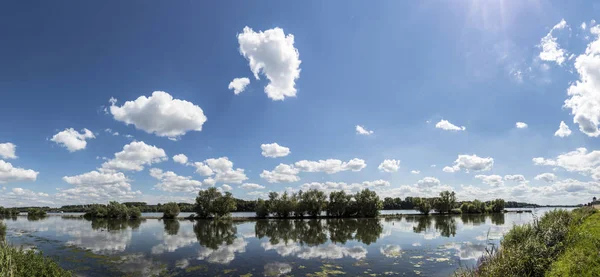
(445, 203)
(532, 249)
(171, 226)
(8, 212)
(170, 210)
(338, 203)
(134, 212)
(36, 212)
(314, 202)
(16, 262)
(262, 209)
(581, 257)
(211, 203)
(423, 205)
(368, 203)
(112, 210)
(2, 231)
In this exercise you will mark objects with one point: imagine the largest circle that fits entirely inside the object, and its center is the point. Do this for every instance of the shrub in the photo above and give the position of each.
(262, 210)
(531, 249)
(211, 203)
(16, 262)
(456, 211)
(170, 210)
(36, 212)
(2, 231)
(116, 210)
(134, 212)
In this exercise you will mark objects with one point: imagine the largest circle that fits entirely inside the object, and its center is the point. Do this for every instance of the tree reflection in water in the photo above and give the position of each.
(313, 232)
(114, 224)
(445, 225)
(497, 218)
(171, 226)
(214, 233)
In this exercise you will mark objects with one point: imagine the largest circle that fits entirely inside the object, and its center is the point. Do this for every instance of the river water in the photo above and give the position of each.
(413, 245)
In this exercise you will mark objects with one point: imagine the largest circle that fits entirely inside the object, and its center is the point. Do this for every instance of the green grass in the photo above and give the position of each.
(16, 262)
(582, 257)
(532, 249)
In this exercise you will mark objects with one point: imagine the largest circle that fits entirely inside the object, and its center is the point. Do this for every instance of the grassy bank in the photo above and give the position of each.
(561, 243)
(16, 262)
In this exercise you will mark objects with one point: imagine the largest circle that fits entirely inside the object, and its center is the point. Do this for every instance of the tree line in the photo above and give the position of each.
(112, 210)
(446, 203)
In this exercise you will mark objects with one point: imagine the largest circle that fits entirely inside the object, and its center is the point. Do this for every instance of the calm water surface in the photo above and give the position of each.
(413, 245)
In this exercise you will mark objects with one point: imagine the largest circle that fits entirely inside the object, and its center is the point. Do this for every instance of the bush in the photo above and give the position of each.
(134, 212)
(16, 262)
(36, 212)
(456, 211)
(2, 231)
(170, 210)
(262, 209)
(117, 210)
(211, 203)
(531, 249)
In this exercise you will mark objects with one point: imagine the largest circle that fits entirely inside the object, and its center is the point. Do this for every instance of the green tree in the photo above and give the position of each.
(117, 210)
(170, 210)
(298, 205)
(205, 202)
(134, 212)
(224, 205)
(446, 202)
(339, 202)
(368, 203)
(423, 205)
(262, 210)
(314, 200)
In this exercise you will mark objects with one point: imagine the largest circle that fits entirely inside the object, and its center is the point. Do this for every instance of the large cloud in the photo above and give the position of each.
(96, 186)
(274, 150)
(492, 180)
(222, 169)
(73, 140)
(551, 51)
(580, 160)
(282, 173)
(546, 177)
(585, 93)
(160, 114)
(134, 156)
(273, 54)
(171, 182)
(389, 166)
(330, 166)
(470, 163)
(9, 173)
(7, 150)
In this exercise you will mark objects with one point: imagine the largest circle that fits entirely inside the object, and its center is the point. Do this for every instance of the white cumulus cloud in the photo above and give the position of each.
(274, 150)
(73, 140)
(415, 171)
(251, 186)
(362, 131)
(470, 163)
(563, 130)
(97, 186)
(7, 150)
(226, 188)
(389, 166)
(546, 177)
(330, 166)
(551, 50)
(282, 173)
(9, 173)
(492, 180)
(222, 169)
(579, 160)
(134, 156)
(446, 125)
(171, 182)
(521, 125)
(239, 85)
(273, 54)
(160, 114)
(180, 158)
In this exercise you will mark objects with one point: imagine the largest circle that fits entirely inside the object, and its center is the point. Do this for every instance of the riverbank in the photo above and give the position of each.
(560, 243)
(246, 218)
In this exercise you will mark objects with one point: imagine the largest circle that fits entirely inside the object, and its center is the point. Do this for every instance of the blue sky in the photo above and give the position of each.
(396, 68)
